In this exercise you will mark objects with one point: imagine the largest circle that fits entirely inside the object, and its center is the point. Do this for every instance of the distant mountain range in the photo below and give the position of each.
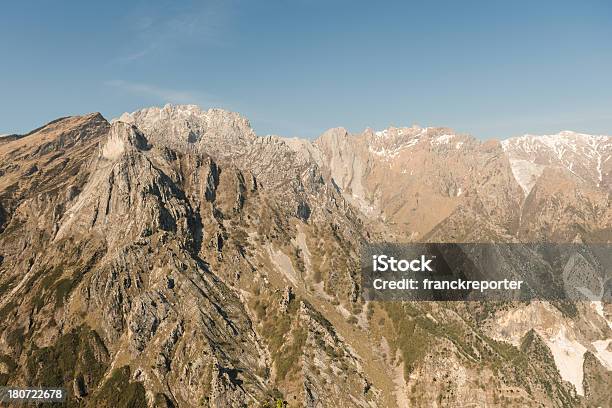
(172, 257)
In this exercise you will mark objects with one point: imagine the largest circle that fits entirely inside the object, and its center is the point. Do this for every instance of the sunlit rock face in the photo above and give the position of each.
(175, 258)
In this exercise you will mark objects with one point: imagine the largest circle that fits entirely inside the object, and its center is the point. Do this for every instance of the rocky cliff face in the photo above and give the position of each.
(174, 258)
(415, 178)
(584, 156)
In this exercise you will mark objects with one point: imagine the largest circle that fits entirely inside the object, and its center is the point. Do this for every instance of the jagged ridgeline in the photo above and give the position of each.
(173, 258)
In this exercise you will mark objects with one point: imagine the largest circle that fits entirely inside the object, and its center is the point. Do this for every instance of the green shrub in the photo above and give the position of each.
(119, 391)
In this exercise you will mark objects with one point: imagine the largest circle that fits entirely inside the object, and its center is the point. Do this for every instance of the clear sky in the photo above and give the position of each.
(297, 67)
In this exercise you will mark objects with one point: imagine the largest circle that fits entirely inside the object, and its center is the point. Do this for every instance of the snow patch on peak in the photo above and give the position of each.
(442, 139)
(388, 143)
(381, 133)
(565, 138)
(402, 132)
(581, 154)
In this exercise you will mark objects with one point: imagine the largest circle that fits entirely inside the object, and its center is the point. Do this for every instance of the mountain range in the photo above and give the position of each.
(173, 258)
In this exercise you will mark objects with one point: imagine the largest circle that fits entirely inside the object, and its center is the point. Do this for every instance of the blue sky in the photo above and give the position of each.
(296, 68)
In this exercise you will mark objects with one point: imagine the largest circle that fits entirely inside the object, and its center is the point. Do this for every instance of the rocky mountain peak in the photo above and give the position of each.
(389, 142)
(332, 135)
(175, 253)
(584, 156)
(564, 140)
(182, 126)
(183, 112)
